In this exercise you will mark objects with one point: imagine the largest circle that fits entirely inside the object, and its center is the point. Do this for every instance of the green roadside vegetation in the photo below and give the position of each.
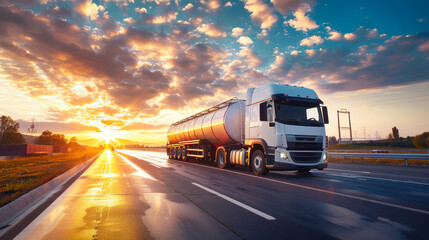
(20, 175)
(361, 148)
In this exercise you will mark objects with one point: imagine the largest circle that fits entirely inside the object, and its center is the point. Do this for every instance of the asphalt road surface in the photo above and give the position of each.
(143, 195)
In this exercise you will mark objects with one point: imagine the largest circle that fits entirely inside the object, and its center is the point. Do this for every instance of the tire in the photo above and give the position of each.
(179, 154)
(303, 171)
(184, 155)
(175, 153)
(221, 158)
(170, 154)
(258, 163)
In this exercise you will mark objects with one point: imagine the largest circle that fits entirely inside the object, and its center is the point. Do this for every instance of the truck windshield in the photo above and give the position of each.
(299, 114)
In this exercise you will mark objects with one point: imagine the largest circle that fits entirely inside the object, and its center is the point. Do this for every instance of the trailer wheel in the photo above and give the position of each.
(221, 158)
(175, 153)
(184, 155)
(179, 154)
(170, 154)
(258, 163)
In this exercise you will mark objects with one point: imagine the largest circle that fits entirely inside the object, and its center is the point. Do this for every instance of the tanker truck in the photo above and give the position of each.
(277, 127)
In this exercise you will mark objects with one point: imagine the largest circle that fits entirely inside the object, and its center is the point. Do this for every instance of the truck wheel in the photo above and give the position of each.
(258, 163)
(221, 159)
(175, 153)
(170, 154)
(184, 155)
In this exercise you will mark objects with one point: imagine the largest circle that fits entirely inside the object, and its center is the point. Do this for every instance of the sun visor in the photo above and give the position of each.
(300, 101)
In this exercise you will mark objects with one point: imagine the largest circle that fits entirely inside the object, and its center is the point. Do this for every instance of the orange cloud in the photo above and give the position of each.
(301, 21)
(262, 14)
(211, 30)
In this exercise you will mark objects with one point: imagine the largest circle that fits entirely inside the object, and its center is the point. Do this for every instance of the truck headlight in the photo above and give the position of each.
(325, 157)
(284, 156)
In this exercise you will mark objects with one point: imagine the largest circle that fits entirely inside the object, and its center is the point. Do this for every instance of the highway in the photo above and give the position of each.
(130, 194)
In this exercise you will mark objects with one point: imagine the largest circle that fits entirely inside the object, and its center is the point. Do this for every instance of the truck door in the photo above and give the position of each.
(267, 126)
(254, 122)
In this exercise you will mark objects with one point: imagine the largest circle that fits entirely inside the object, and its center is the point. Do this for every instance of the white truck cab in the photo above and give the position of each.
(290, 122)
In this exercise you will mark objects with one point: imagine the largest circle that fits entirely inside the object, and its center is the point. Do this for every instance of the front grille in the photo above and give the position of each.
(306, 157)
(300, 142)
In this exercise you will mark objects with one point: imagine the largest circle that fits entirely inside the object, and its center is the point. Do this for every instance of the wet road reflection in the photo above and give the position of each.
(160, 161)
(115, 199)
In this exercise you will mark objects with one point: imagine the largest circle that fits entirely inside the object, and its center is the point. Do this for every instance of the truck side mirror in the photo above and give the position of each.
(325, 114)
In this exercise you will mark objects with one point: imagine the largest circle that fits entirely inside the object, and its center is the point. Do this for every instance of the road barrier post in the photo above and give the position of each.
(361, 160)
(406, 162)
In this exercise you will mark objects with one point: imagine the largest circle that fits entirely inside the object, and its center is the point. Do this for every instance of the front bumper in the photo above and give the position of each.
(293, 166)
(284, 161)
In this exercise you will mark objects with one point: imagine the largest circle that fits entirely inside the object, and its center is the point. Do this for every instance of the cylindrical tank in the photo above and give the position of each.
(220, 125)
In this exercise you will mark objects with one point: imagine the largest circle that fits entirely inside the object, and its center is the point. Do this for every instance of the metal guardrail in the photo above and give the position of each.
(389, 150)
(404, 156)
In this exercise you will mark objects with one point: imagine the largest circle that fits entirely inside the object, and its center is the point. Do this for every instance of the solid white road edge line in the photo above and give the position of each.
(255, 211)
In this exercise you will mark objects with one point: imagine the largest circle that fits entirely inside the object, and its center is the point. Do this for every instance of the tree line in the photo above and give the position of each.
(9, 134)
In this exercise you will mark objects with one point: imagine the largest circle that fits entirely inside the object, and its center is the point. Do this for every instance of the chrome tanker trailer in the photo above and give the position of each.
(277, 127)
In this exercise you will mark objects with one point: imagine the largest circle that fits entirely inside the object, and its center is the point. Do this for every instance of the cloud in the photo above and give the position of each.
(59, 127)
(249, 57)
(310, 41)
(236, 32)
(89, 9)
(311, 52)
(146, 126)
(399, 63)
(301, 21)
(350, 36)
(262, 34)
(211, 30)
(141, 10)
(363, 34)
(160, 19)
(284, 6)
(334, 35)
(213, 4)
(246, 41)
(424, 47)
(129, 20)
(294, 52)
(188, 7)
(261, 13)
(158, 2)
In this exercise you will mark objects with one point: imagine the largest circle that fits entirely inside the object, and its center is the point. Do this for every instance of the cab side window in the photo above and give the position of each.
(266, 112)
(263, 111)
(270, 112)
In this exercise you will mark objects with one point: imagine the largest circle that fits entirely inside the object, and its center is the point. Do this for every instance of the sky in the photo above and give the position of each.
(129, 69)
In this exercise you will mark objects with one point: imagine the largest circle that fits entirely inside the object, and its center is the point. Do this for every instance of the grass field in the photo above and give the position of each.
(21, 175)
